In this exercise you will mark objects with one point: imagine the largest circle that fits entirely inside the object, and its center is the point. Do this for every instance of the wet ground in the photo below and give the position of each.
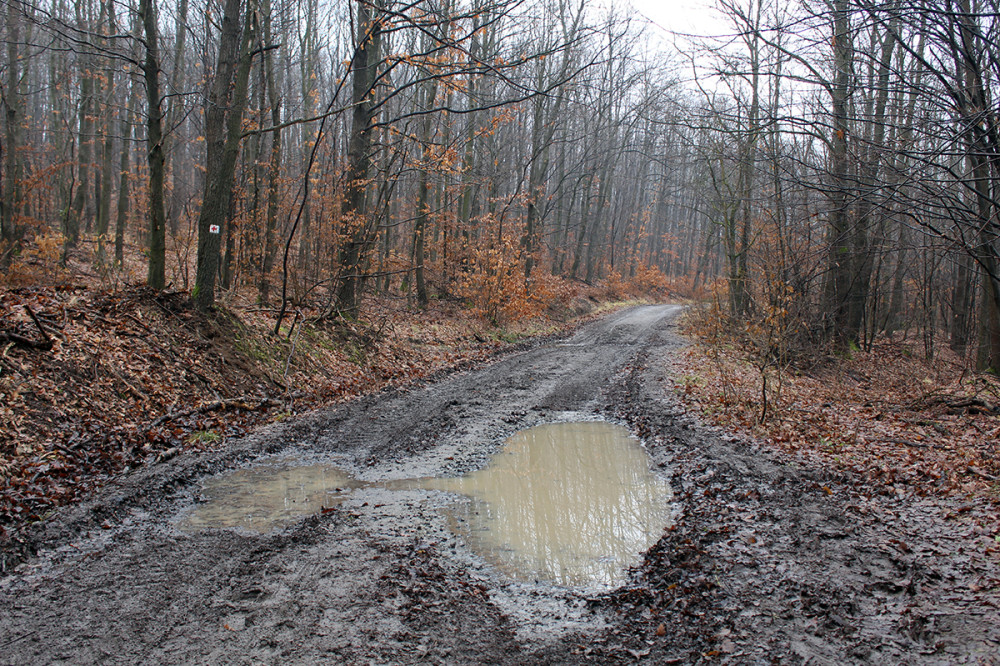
(765, 560)
(569, 503)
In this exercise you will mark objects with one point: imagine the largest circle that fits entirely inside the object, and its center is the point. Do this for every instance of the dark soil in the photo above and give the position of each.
(769, 560)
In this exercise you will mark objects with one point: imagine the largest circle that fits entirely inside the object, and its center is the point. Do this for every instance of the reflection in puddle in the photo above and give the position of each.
(569, 503)
(263, 498)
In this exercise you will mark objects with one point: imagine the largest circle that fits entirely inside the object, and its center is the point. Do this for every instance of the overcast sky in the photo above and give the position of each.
(686, 16)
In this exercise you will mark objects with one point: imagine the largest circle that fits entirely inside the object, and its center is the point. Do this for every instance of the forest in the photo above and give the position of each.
(385, 238)
(828, 169)
(820, 177)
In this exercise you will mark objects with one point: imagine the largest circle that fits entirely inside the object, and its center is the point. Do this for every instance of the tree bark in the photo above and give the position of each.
(274, 164)
(840, 281)
(354, 212)
(121, 215)
(10, 231)
(176, 148)
(156, 276)
(75, 219)
(223, 127)
(423, 196)
(107, 147)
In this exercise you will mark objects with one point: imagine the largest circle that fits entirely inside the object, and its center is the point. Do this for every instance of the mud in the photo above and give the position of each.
(767, 561)
(571, 503)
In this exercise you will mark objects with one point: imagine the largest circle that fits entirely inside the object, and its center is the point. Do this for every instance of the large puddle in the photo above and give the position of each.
(567, 503)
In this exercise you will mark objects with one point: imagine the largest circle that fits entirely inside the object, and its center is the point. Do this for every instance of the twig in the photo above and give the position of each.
(980, 473)
(18, 638)
(234, 403)
(973, 406)
(139, 321)
(917, 445)
(45, 344)
(7, 363)
(288, 361)
(295, 320)
(271, 310)
(27, 343)
(136, 393)
(168, 311)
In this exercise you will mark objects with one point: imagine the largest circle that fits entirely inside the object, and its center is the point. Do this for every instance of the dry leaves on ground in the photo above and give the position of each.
(136, 376)
(904, 423)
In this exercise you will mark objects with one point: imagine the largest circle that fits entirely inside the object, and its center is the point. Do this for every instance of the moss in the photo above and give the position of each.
(204, 437)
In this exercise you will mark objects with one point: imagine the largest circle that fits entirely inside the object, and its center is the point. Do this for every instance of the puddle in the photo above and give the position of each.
(263, 498)
(565, 503)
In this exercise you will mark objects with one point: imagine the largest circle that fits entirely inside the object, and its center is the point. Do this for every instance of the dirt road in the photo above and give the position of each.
(768, 561)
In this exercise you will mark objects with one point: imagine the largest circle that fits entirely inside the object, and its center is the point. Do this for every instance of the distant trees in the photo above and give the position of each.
(834, 163)
(445, 147)
(854, 168)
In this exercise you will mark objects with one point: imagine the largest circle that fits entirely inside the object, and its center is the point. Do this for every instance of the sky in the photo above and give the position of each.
(671, 21)
(685, 16)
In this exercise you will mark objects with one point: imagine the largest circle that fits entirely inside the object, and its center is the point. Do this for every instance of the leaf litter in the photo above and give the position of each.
(134, 377)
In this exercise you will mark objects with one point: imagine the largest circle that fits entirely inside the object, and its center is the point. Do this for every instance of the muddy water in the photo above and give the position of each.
(569, 503)
(566, 503)
(263, 498)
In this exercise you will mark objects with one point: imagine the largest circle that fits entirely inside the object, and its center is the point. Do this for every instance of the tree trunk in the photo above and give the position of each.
(223, 127)
(177, 147)
(80, 207)
(10, 231)
(354, 213)
(156, 277)
(121, 219)
(593, 247)
(962, 307)
(536, 179)
(739, 290)
(840, 282)
(988, 355)
(107, 147)
(581, 233)
(972, 105)
(274, 165)
(423, 196)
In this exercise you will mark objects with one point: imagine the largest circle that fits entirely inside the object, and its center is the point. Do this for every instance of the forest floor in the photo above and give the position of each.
(94, 382)
(857, 524)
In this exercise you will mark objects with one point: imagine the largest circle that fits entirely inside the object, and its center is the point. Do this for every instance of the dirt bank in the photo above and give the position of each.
(767, 559)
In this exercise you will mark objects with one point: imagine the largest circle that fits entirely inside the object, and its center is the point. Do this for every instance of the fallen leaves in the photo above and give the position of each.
(136, 377)
(905, 424)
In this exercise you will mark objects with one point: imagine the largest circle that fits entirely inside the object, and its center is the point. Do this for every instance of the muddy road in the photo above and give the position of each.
(766, 560)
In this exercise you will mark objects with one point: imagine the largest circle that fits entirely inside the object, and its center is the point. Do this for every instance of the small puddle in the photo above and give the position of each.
(566, 503)
(260, 499)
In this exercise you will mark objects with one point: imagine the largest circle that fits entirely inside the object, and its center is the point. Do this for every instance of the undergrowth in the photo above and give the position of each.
(904, 422)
